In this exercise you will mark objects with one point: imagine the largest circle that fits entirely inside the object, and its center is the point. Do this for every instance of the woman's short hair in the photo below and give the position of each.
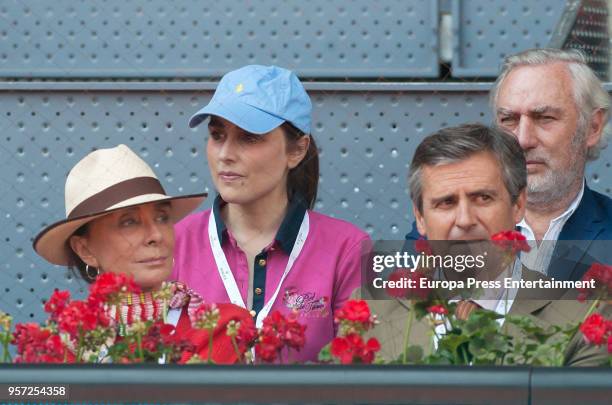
(77, 266)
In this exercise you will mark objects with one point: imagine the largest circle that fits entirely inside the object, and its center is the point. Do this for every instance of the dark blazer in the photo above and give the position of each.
(586, 238)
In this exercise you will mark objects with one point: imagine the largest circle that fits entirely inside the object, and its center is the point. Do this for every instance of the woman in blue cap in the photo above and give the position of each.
(261, 246)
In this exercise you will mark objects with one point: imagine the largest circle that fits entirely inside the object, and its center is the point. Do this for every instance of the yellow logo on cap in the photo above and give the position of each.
(239, 88)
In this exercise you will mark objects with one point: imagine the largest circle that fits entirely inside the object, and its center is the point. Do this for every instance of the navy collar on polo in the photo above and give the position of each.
(287, 233)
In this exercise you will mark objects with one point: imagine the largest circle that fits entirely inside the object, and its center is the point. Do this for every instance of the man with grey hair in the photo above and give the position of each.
(558, 110)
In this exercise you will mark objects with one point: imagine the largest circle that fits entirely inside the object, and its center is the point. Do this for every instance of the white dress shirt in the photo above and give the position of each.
(538, 259)
(498, 300)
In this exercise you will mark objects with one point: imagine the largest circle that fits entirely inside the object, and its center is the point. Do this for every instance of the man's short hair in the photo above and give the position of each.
(588, 92)
(455, 144)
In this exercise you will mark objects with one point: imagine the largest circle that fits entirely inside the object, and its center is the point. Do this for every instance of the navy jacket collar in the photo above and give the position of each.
(287, 232)
(587, 221)
(578, 233)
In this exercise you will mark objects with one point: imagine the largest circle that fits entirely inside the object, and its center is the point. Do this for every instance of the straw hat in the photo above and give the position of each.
(102, 182)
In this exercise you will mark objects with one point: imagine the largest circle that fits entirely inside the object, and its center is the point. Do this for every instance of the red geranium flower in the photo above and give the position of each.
(57, 302)
(268, 347)
(28, 333)
(351, 349)
(437, 309)
(512, 241)
(411, 278)
(602, 274)
(610, 344)
(421, 245)
(108, 286)
(247, 335)
(274, 322)
(159, 333)
(276, 333)
(294, 333)
(396, 277)
(368, 353)
(75, 316)
(594, 329)
(80, 316)
(354, 311)
(341, 349)
(56, 351)
(354, 317)
(39, 345)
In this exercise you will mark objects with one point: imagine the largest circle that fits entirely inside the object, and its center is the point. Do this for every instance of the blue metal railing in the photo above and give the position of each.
(318, 384)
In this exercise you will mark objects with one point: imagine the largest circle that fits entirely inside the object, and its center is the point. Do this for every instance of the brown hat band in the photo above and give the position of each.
(115, 194)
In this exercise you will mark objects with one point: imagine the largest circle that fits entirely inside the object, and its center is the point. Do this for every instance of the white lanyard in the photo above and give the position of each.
(228, 278)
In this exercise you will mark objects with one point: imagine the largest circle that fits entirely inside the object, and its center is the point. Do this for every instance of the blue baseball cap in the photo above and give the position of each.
(258, 99)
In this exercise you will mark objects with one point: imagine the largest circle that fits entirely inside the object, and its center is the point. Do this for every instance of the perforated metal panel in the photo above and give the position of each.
(486, 31)
(588, 32)
(366, 133)
(156, 38)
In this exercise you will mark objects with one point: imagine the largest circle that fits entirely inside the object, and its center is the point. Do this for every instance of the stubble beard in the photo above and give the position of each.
(550, 190)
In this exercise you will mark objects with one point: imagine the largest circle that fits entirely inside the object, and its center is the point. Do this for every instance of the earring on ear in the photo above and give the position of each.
(89, 275)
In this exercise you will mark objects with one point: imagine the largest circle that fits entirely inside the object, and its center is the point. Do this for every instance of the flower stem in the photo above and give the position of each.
(210, 344)
(235, 345)
(407, 331)
(165, 311)
(501, 358)
(464, 356)
(139, 341)
(591, 309)
(506, 310)
(450, 322)
(6, 356)
(588, 313)
(80, 347)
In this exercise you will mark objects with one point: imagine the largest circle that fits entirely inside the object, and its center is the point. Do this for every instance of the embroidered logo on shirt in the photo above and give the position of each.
(306, 303)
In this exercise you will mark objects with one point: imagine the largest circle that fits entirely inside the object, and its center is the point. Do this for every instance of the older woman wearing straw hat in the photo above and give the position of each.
(119, 219)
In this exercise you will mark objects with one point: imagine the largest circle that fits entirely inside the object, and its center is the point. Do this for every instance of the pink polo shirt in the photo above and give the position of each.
(322, 278)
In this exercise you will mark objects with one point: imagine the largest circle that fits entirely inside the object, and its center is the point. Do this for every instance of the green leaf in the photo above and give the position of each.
(452, 342)
(420, 308)
(439, 359)
(414, 354)
(325, 354)
(480, 320)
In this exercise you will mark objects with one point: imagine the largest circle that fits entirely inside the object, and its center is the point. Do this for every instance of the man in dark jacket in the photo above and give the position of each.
(556, 107)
